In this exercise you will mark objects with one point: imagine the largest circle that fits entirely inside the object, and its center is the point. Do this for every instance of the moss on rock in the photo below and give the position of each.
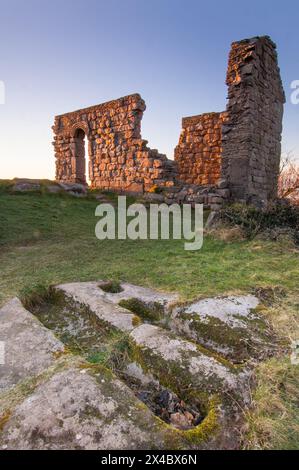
(113, 287)
(250, 337)
(148, 311)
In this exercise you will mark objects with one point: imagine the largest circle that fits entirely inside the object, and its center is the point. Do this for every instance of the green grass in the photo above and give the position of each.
(47, 239)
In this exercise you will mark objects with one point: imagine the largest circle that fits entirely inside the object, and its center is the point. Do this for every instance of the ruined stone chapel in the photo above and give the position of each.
(232, 155)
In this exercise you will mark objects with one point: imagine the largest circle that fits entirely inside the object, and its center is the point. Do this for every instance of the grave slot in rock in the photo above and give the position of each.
(84, 333)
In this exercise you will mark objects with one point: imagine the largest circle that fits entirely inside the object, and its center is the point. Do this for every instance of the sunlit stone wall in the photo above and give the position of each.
(252, 134)
(198, 154)
(119, 159)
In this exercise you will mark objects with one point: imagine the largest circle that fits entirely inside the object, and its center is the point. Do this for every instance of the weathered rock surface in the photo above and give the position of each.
(184, 359)
(29, 346)
(52, 399)
(229, 325)
(36, 185)
(78, 409)
(25, 184)
(144, 294)
(67, 403)
(186, 362)
(92, 296)
(227, 309)
(73, 188)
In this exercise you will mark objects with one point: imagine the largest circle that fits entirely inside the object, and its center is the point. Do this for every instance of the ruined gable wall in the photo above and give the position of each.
(198, 154)
(252, 133)
(238, 150)
(119, 158)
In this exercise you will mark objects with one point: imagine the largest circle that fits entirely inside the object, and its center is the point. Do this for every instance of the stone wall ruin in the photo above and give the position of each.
(119, 159)
(235, 153)
(251, 137)
(198, 154)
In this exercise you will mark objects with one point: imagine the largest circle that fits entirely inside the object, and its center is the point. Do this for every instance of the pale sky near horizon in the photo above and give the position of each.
(58, 56)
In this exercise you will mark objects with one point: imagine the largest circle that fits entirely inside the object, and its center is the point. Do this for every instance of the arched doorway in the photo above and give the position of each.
(80, 162)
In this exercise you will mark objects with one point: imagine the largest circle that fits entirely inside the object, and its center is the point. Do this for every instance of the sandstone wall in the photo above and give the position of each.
(119, 158)
(252, 133)
(198, 154)
(236, 152)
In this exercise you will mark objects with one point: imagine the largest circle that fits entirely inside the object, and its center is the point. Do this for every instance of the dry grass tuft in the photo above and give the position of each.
(273, 421)
(227, 234)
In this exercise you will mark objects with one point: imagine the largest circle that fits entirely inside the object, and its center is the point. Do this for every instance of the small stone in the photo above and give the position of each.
(189, 416)
(179, 420)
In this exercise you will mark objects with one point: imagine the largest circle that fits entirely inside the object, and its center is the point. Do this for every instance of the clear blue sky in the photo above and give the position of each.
(61, 55)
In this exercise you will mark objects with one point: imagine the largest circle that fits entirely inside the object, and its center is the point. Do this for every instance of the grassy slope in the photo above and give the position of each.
(46, 239)
(49, 238)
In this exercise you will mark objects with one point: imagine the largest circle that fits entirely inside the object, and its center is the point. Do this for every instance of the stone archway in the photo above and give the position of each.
(79, 135)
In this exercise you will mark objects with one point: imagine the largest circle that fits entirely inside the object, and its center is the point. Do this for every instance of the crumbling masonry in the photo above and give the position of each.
(234, 154)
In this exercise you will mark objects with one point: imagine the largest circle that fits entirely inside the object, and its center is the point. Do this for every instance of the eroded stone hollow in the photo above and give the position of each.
(115, 379)
(233, 154)
(83, 333)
